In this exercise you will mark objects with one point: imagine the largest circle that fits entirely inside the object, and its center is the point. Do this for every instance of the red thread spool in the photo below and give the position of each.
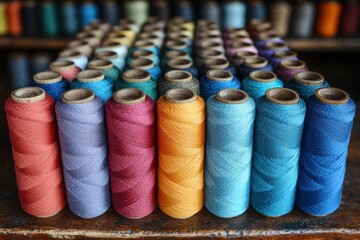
(32, 127)
(13, 12)
(350, 18)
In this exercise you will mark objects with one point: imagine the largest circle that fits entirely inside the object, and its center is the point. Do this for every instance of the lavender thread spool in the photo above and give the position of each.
(288, 68)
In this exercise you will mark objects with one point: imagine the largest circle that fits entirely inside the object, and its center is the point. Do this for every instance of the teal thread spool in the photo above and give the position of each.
(177, 45)
(178, 79)
(147, 65)
(111, 56)
(137, 11)
(173, 54)
(108, 69)
(49, 19)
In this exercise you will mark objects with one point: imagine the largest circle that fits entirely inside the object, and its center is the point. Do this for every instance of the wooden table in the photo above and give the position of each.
(16, 224)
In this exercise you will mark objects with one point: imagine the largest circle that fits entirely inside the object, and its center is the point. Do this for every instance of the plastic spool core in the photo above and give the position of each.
(219, 75)
(129, 96)
(245, 55)
(179, 63)
(90, 75)
(332, 95)
(263, 76)
(180, 95)
(47, 77)
(78, 96)
(178, 76)
(142, 53)
(61, 65)
(136, 75)
(142, 63)
(232, 96)
(282, 96)
(255, 62)
(100, 64)
(28, 94)
(275, 45)
(309, 78)
(106, 55)
(285, 54)
(70, 54)
(292, 64)
(217, 63)
(176, 54)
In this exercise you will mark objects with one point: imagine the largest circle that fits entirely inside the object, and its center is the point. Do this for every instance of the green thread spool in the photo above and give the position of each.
(137, 10)
(109, 70)
(3, 19)
(49, 19)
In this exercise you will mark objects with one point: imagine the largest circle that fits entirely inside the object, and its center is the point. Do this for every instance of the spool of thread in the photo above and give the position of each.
(183, 38)
(29, 16)
(252, 64)
(278, 56)
(237, 38)
(40, 62)
(173, 54)
(67, 69)
(140, 79)
(280, 14)
(3, 19)
(270, 48)
(234, 14)
(217, 64)
(52, 83)
(183, 65)
(210, 45)
(49, 20)
(267, 37)
(155, 39)
(306, 83)
(202, 56)
(143, 54)
(231, 32)
(32, 128)
(230, 126)
(259, 82)
(160, 9)
(146, 45)
(328, 18)
(155, 21)
(88, 12)
(240, 46)
(129, 23)
(216, 80)
(68, 16)
(109, 70)
(181, 111)
(303, 19)
(13, 12)
(276, 153)
(95, 30)
(19, 70)
(111, 56)
(91, 39)
(137, 11)
(147, 65)
(178, 79)
(239, 58)
(210, 11)
(321, 175)
(185, 9)
(288, 68)
(125, 30)
(96, 81)
(182, 30)
(203, 37)
(120, 49)
(256, 10)
(350, 18)
(81, 46)
(130, 117)
(110, 11)
(120, 38)
(85, 167)
(102, 25)
(177, 45)
(79, 59)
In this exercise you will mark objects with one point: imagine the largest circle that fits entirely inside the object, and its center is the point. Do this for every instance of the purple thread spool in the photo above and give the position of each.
(266, 37)
(288, 68)
(240, 46)
(270, 48)
(253, 64)
(282, 55)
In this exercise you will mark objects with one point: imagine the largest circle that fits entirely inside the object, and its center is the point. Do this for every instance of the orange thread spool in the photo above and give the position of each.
(328, 18)
(181, 138)
(13, 11)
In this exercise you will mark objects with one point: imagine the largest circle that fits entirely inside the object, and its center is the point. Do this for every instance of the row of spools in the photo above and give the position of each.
(296, 19)
(174, 69)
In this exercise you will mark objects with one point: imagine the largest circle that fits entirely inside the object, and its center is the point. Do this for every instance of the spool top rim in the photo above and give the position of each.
(180, 95)
(70, 53)
(142, 63)
(292, 64)
(176, 54)
(77, 96)
(263, 76)
(217, 63)
(28, 94)
(106, 55)
(90, 75)
(255, 62)
(232, 96)
(178, 76)
(282, 96)
(47, 77)
(61, 64)
(100, 64)
(331, 95)
(136, 75)
(179, 63)
(245, 54)
(129, 96)
(140, 53)
(219, 75)
(309, 78)
(285, 54)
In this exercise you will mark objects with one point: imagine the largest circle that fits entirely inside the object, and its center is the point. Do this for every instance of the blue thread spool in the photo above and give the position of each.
(216, 63)
(110, 12)
(259, 82)
(270, 48)
(19, 70)
(230, 125)
(278, 56)
(211, 11)
(328, 125)
(69, 19)
(306, 83)
(234, 14)
(111, 56)
(256, 10)
(52, 83)
(80, 60)
(30, 21)
(253, 64)
(216, 80)
(177, 45)
(185, 9)
(277, 137)
(141, 53)
(173, 54)
(88, 12)
(147, 65)
(183, 65)
(204, 55)
(178, 79)
(120, 49)
(40, 62)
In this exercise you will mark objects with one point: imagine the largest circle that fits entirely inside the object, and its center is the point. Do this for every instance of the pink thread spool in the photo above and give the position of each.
(67, 69)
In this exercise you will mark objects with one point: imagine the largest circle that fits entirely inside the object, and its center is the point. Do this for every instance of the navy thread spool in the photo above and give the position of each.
(173, 54)
(146, 45)
(29, 16)
(350, 18)
(216, 63)
(86, 170)
(303, 19)
(306, 83)
(278, 56)
(288, 68)
(256, 10)
(117, 61)
(155, 39)
(270, 48)
(178, 79)
(240, 46)
(230, 125)
(93, 40)
(50, 25)
(110, 11)
(120, 49)
(147, 65)
(52, 83)
(324, 148)
(233, 14)
(239, 58)
(177, 45)
(279, 124)
(109, 70)
(81, 46)
(160, 9)
(251, 65)
(210, 10)
(40, 62)
(216, 80)
(202, 56)
(68, 16)
(19, 70)
(259, 82)
(185, 9)
(143, 54)
(267, 37)
(280, 14)
(88, 12)
(182, 64)
(79, 59)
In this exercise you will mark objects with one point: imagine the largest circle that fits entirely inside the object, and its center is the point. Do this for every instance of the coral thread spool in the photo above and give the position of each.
(328, 18)
(13, 12)
(67, 69)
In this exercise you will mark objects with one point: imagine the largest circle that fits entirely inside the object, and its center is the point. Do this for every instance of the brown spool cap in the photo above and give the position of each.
(332, 95)
(90, 75)
(240, 44)
(61, 65)
(82, 35)
(292, 64)
(172, 54)
(142, 63)
(47, 77)
(178, 76)
(209, 35)
(70, 54)
(152, 28)
(100, 64)
(254, 22)
(148, 35)
(202, 22)
(217, 63)
(285, 54)
(177, 35)
(77, 43)
(263, 76)
(232, 96)
(282, 96)
(142, 53)
(136, 75)
(78, 96)
(309, 78)
(180, 95)
(101, 24)
(144, 44)
(255, 62)
(106, 55)
(275, 45)
(245, 55)
(174, 44)
(129, 96)
(179, 63)
(28, 94)
(219, 75)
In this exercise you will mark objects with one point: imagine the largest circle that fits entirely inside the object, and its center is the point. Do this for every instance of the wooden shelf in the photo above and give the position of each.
(33, 43)
(321, 44)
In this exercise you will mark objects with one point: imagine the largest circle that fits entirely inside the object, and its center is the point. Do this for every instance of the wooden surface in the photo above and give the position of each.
(33, 43)
(16, 224)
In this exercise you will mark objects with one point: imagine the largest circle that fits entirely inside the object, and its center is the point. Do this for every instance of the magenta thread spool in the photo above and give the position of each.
(288, 68)
(278, 56)
(270, 48)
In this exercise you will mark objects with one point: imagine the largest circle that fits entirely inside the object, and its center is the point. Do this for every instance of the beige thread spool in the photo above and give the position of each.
(95, 31)
(78, 96)
(81, 46)
(107, 55)
(180, 95)
(124, 30)
(331, 95)
(101, 24)
(156, 40)
(282, 96)
(232, 96)
(309, 78)
(219, 75)
(136, 75)
(47, 77)
(120, 38)
(28, 95)
(70, 54)
(129, 96)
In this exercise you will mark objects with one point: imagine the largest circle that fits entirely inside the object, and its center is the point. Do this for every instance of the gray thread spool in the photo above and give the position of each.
(303, 19)
(178, 79)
